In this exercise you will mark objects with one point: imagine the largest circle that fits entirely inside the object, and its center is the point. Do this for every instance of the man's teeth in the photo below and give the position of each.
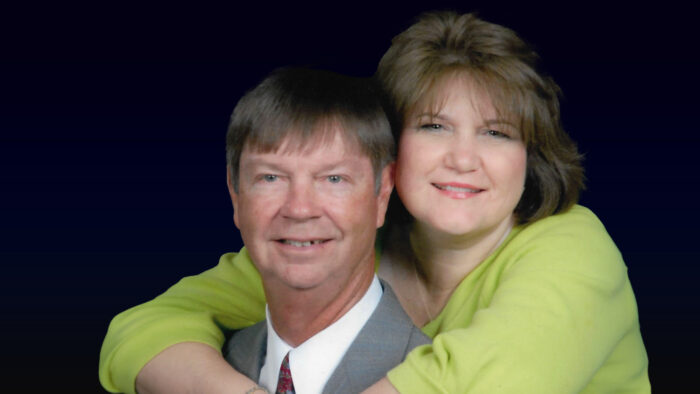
(457, 189)
(301, 243)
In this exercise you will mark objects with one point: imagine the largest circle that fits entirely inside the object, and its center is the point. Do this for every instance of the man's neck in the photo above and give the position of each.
(297, 315)
(314, 361)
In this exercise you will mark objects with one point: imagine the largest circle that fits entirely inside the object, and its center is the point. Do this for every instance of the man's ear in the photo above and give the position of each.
(385, 190)
(233, 194)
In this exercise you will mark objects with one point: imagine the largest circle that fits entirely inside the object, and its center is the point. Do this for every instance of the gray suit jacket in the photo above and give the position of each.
(383, 343)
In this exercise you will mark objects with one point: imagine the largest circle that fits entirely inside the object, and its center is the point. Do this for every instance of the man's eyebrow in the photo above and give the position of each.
(273, 164)
(341, 164)
(262, 162)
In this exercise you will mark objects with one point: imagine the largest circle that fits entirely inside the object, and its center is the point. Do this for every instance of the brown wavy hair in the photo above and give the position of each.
(443, 45)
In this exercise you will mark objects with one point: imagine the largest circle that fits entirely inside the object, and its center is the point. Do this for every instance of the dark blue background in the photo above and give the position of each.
(112, 164)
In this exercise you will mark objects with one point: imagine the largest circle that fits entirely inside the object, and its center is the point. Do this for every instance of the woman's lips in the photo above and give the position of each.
(458, 190)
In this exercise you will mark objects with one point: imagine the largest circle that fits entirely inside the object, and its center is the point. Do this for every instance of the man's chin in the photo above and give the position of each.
(305, 281)
(298, 277)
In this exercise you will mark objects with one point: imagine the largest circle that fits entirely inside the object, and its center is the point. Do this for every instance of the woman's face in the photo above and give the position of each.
(461, 169)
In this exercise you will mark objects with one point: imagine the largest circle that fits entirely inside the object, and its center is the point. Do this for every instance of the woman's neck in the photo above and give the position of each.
(425, 275)
(444, 260)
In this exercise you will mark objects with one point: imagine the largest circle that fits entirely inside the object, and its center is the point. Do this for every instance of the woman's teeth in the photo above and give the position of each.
(457, 189)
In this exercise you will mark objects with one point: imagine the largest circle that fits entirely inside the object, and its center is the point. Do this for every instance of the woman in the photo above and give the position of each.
(522, 290)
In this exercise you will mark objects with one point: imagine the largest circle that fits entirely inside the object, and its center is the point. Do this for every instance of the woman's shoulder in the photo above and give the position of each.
(576, 215)
(233, 264)
(239, 257)
(578, 222)
(573, 240)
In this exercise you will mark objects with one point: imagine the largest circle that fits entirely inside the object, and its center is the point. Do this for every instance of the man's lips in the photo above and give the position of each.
(458, 187)
(302, 243)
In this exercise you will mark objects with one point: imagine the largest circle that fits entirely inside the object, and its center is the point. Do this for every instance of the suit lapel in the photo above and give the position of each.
(380, 345)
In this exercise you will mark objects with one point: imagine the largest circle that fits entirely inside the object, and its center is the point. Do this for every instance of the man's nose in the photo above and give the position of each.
(301, 201)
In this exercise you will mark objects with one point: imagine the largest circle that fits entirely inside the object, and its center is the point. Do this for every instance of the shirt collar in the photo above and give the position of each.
(312, 363)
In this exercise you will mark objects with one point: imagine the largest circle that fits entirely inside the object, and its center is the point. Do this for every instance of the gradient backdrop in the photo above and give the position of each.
(112, 167)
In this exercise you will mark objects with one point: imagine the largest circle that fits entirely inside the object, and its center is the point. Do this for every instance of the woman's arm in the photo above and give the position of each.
(383, 386)
(196, 309)
(191, 367)
(551, 312)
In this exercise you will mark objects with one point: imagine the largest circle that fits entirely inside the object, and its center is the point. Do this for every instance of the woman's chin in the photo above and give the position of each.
(460, 226)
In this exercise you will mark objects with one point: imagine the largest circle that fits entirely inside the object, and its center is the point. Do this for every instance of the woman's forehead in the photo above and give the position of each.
(451, 87)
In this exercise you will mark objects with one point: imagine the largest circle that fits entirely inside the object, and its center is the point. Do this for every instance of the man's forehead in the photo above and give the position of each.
(337, 156)
(296, 142)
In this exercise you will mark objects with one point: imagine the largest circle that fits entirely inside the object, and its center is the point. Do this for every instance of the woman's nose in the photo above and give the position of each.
(462, 153)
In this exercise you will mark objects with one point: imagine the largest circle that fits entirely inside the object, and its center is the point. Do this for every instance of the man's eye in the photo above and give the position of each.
(334, 178)
(269, 178)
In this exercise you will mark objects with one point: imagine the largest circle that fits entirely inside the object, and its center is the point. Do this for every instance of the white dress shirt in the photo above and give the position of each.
(312, 363)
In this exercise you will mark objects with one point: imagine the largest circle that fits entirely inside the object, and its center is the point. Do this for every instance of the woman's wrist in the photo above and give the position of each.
(257, 390)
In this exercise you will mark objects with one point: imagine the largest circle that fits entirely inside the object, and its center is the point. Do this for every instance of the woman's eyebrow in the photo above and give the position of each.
(490, 122)
(431, 115)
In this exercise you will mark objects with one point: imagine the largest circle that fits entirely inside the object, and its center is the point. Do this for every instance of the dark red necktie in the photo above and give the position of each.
(285, 385)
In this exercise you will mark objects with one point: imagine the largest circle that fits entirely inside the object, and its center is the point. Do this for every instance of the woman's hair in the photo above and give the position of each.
(443, 45)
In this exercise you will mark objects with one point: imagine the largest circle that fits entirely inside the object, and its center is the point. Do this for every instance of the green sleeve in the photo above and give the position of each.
(552, 311)
(197, 308)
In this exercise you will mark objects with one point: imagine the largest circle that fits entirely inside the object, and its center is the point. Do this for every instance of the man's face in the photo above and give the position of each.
(308, 217)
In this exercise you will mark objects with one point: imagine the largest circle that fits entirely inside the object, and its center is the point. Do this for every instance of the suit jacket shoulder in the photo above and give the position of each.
(384, 341)
(245, 350)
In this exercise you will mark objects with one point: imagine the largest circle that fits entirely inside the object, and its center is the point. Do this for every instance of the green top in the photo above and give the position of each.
(550, 311)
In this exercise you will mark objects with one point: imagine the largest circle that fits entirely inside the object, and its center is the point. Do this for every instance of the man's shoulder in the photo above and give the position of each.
(383, 343)
(245, 349)
(248, 336)
(391, 314)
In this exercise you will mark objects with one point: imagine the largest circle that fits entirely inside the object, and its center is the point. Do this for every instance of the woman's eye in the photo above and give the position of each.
(269, 178)
(334, 178)
(431, 126)
(497, 134)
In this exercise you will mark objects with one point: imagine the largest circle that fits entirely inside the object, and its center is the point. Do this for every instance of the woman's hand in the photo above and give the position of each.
(191, 367)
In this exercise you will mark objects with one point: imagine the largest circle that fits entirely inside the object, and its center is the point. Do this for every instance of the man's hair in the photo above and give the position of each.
(305, 108)
(497, 63)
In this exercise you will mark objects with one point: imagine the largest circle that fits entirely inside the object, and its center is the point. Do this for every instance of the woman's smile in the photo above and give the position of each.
(457, 190)
(458, 170)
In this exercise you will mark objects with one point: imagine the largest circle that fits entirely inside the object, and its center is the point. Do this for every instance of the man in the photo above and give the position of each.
(310, 157)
